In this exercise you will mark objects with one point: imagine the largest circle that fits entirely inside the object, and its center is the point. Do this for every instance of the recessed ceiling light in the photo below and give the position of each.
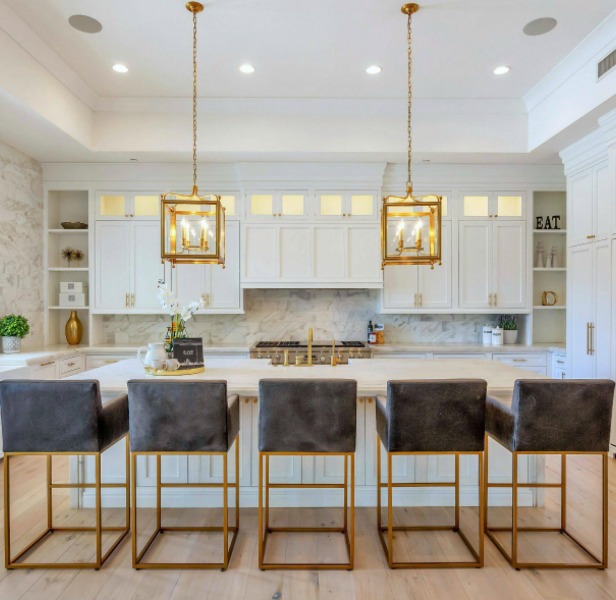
(540, 26)
(374, 70)
(247, 69)
(85, 24)
(502, 70)
(120, 68)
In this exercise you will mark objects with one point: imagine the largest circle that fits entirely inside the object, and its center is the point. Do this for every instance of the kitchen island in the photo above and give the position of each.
(243, 375)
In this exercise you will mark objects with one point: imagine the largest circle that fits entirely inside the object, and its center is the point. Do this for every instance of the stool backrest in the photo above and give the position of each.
(307, 415)
(440, 415)
(562, 415)
(50, 416)
(173, 416)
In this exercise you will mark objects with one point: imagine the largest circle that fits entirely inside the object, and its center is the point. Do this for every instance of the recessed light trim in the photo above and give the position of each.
(501, 70)
(85, 24)
(374, 70)
(120, 68)
(247, 69)
(540, 26)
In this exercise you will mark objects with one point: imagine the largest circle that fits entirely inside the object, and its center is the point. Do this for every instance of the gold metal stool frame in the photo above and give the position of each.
(388, 545)
(348, 527)
(11, 562)
(515, 485)
(138, 562)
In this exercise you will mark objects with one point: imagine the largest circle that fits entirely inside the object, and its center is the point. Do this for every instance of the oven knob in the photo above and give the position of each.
(258, 354)
(322, 358)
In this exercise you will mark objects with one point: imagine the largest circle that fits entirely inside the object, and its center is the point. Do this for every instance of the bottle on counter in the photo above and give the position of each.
(370, 337)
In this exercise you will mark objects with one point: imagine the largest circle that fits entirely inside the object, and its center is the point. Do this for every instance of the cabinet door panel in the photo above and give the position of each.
(401, 287)
(224, 286)
(191, 282)
(602, 332)
(435, 284)
(603, 213)
(295, 253)
(580, 201)
(147, 268)
(580, 310)
(260, 252)
(112, 264)
(364, 253)
(329, 253)
(509, 251)
(475, 263)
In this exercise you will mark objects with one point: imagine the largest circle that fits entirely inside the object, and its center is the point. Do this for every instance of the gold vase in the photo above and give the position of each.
(73, 329)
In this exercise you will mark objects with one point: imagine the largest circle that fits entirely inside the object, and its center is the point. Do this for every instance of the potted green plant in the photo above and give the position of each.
(12, 329)
(509, 325)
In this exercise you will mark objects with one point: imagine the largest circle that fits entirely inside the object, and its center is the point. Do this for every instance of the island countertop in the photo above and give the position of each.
(243, 375)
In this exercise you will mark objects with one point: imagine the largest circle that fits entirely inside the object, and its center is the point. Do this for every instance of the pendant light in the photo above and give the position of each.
(411, 225)
(193, 226)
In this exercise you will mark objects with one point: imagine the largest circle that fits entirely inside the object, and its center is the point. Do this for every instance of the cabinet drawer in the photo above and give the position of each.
(539, 370)
(559, 374)
(522, 360)
(399, 355)
(460, 356)
(70, 366)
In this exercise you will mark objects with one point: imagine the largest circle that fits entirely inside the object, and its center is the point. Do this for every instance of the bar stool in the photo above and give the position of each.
(51, 418)
(551, 417)
(307, 417)
(194, 418)
(443, 417)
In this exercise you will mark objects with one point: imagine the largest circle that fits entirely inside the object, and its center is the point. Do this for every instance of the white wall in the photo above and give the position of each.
(21, 240)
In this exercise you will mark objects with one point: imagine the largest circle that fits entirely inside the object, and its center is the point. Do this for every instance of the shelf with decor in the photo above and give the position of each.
(67, 246)
(549, 267)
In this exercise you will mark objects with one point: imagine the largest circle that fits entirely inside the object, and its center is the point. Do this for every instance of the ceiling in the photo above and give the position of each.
(315, 49)
(310, 97)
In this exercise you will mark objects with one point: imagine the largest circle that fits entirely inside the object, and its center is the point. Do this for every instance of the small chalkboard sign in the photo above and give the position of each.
(188, 352)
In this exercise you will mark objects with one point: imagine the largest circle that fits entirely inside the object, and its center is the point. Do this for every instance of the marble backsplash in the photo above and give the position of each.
(21, 227)
(287, 315)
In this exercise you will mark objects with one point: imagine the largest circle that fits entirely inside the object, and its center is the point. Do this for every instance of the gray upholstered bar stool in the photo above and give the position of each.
(49, 418)
(550, 417)
(443, 417)
(313, 417)
(194, 418)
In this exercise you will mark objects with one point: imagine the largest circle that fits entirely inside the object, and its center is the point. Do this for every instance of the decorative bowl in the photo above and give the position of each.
(76, 225)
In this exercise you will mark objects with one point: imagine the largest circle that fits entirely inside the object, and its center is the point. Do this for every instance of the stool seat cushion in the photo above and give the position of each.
(307, 415)
(182, 416)
(432, 415)
(60, 416)
(572, 415)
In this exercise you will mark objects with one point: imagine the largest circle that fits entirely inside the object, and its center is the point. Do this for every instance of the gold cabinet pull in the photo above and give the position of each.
(592, 341)
(420, 298)
(132, 300)
(126, 301)
(588, 339)
(415, 301)
(495, 303)
(490, 299)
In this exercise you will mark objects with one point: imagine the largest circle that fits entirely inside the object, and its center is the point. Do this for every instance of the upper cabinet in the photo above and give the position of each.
(492, 205)
(339, 205)
(274, 205)
(218, 288)
(493, 268)
(419, 288)
(591, 213)
(125, 205)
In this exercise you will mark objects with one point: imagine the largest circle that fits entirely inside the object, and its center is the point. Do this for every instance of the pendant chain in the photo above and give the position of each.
(194, 100)
(409, 182)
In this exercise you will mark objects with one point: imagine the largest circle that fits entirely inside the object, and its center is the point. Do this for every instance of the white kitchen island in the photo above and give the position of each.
(243, 375)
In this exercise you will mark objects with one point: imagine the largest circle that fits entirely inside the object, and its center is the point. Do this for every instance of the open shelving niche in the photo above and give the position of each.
(549, 322)
(71, 206)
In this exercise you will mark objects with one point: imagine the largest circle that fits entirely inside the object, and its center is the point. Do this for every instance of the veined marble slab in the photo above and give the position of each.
(243, 375)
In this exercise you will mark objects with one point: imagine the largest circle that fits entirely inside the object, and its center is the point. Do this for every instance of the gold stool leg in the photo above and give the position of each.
(7, 512)
(352, 541)
(379, 523)
(457, 492)
(225, 516)
(260, 511)
(49, 493)
(133, 485)
(605, 509)
(99, 513)
(390, 512)
(563, 491)
(514, 509)
(482, 506)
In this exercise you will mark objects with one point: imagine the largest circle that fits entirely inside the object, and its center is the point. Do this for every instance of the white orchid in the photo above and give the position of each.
(171, 305)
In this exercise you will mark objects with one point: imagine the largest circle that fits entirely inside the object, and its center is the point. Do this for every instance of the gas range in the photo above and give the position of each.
(321, 351)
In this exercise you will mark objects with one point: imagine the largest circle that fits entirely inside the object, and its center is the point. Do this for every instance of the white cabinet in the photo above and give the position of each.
(589, 330)
(335, 205)
(492, 265)
(492, 205)
(276, 205)
(219, 288)
(590, 200)
(128, 266)
(45, 370)
(311, 255)
(129, 205)
(417, 288)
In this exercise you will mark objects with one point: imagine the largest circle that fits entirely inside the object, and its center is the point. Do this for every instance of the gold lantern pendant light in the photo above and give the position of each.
(411, 225)
(200, 219)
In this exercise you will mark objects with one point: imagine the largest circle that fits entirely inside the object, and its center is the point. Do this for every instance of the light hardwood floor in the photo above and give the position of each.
(370, 580)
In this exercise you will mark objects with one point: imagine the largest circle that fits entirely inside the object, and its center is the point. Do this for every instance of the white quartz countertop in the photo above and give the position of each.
(464, 348)
(243, 375)
(39, 355)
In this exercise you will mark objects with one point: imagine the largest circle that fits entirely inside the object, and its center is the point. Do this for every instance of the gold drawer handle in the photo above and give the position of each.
(47, 364)
(520, 360)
